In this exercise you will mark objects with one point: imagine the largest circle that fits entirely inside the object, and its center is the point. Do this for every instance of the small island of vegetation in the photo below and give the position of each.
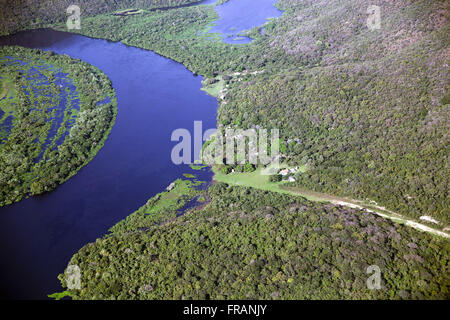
(55, 115)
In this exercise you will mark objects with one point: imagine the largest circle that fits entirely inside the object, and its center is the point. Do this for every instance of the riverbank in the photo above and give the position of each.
(259, 181)
(133, 165)
(59, 121)
(247, 243)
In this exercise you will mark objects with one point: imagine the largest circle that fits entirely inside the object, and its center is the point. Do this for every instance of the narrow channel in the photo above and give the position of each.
(155, 96)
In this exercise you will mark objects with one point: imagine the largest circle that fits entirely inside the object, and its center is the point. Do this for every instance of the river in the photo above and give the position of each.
(239, 16)
(155, 96)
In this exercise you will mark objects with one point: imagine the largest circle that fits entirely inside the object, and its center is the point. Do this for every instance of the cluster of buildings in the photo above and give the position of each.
(289, 172)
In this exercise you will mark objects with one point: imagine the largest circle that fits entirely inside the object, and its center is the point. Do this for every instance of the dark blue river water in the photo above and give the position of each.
(155, 96)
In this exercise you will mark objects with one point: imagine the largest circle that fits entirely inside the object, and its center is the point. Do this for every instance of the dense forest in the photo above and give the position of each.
(366, 111)
(369, 111)
(55, 114)
(251, 244)
(19, 14)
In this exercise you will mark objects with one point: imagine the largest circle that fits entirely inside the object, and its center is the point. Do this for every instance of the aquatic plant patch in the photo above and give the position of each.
(56, 113)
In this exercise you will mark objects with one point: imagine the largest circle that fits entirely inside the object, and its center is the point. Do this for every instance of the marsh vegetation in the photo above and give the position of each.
(56, 114)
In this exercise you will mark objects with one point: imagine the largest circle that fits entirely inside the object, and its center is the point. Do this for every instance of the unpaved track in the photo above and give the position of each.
(382, 212)
(395, 217)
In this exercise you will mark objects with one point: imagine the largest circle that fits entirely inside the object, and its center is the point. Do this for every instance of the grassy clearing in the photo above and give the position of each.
(60, 295)
(230, 248)
(8, 92)
(170, 199)
(260, 181)
(128, 12)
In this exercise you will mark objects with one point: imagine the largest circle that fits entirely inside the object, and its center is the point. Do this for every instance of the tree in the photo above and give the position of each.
(276, 178)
